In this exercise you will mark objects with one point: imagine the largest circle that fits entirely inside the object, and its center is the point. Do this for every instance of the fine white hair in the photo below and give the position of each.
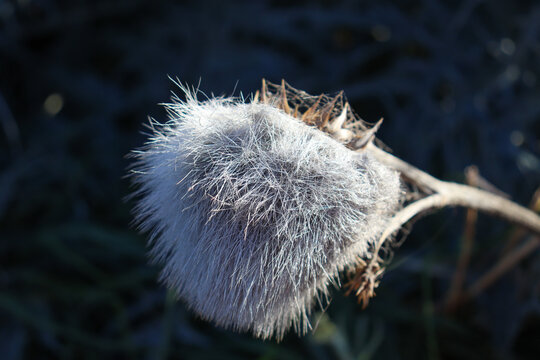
(253, 213)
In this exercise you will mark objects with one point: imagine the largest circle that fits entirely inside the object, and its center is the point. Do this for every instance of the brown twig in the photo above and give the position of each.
(456, 288)
(508, 261)
(503, 266)
(519, 233)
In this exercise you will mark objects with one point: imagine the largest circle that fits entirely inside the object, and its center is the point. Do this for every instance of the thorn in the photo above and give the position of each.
(337, 123)
(295, 111)
(284, 104)
(256, 97)
(327, 110)
(368, 136)
(311, 111)
(263, 91)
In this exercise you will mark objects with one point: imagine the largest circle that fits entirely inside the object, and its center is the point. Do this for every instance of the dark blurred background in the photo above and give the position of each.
(456, 81)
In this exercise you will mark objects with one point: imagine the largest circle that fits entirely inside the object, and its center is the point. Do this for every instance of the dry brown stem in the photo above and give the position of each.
(472, 175)
(501, 267)
(520, 232)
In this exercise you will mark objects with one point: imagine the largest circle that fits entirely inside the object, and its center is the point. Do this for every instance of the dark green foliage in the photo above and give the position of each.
(457, 83)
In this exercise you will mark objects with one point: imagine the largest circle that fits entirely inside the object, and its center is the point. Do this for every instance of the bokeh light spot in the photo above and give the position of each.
(53, 104)
(508, 46)
(517, 138)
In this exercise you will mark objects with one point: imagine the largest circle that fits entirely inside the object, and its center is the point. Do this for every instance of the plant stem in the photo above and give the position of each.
(505, 264)
(453, 194)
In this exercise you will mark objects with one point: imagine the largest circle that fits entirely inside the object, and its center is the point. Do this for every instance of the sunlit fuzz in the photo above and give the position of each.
(253, 213)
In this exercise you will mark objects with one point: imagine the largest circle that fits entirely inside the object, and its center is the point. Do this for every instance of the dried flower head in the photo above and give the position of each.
(253, 211)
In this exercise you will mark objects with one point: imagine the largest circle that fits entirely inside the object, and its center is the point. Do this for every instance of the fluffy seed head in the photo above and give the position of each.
(253, 213)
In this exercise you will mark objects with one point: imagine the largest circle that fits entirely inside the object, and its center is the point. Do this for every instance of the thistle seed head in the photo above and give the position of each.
(252, 212)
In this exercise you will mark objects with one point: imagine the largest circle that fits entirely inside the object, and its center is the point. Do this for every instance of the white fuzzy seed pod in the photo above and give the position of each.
(253, 213)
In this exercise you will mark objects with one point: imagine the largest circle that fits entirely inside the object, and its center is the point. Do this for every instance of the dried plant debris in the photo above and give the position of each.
(331, 114)
(253, 211)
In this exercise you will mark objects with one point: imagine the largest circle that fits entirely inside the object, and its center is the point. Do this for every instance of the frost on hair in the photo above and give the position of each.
(253, 214)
